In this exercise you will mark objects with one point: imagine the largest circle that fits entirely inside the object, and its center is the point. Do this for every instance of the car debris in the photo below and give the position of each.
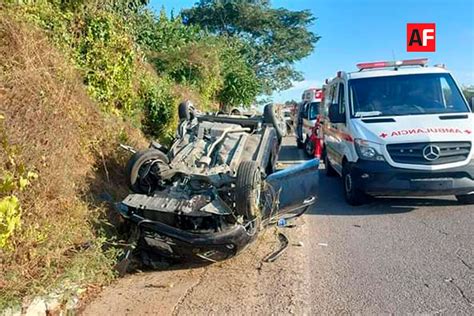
(208, 196)
(282, 247)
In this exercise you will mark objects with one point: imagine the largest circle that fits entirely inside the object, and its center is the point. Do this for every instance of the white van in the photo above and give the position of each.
(306, 115)
(397, 129)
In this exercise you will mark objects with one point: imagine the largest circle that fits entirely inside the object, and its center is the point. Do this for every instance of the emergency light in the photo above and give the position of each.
(384, 64)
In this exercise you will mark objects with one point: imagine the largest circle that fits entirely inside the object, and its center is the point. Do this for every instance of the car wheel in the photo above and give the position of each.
(309, 147)
(185, 111)
(248, 190)
(271, 116)
(330, 172)
(141, 180)
(465, 198)
(235, 112)
(352, 195)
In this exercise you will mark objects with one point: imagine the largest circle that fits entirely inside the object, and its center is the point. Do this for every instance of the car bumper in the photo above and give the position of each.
(181, 245)
(379, 178)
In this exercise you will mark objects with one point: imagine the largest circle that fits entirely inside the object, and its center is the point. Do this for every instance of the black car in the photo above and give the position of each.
(208, 196)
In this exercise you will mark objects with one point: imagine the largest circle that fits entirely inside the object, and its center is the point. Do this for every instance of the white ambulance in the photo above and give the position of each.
(398, 129)
(305, 118)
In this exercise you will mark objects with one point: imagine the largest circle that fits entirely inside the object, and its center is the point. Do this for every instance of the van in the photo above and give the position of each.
(306, 115)
(399, 129)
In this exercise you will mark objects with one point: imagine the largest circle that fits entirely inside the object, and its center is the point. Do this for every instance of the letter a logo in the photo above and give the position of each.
(421, 37)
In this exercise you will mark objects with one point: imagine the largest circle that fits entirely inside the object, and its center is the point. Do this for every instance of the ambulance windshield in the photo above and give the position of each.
(405, 95)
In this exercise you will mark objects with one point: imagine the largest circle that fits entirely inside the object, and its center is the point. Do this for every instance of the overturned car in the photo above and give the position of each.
(208, 195)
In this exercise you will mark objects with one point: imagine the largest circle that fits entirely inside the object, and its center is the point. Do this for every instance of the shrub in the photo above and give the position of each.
(106, 54)
(159, 106)
(241, 85)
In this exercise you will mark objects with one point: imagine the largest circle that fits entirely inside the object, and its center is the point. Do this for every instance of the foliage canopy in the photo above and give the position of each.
(275, 38)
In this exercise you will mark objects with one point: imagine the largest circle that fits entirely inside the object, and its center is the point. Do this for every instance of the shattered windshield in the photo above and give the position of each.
(405, 95)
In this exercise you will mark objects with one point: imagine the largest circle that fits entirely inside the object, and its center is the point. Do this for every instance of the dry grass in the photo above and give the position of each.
(58, 132)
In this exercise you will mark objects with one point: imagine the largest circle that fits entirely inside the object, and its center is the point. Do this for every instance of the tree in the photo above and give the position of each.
(241, 85)
(275, 38)
(210, 64)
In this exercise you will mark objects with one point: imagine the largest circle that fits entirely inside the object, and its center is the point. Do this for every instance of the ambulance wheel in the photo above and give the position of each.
(299, 144)
(465, 198)
(323, 155)
(309, 147)
(330, 172)
(353, 196)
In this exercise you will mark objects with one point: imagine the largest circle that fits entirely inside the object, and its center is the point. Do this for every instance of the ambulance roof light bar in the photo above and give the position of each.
(386, 64)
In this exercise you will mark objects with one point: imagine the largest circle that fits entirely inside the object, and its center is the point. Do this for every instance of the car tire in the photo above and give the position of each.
(270, 117)
(353, 196)
(248, 190)
(185, 111)
(330, 172)
(309, 147)
(134, 165)
(465, 199)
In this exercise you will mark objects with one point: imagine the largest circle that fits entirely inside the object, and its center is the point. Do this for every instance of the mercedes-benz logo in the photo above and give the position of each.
(431, 152)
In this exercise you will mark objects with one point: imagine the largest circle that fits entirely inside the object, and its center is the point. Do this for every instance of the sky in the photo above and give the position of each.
(371, 30)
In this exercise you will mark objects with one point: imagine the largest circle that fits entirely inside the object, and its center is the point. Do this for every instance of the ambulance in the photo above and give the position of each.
(399, 128)
(305, 118)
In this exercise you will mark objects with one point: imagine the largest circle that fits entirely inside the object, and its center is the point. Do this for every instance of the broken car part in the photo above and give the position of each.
(207, 198)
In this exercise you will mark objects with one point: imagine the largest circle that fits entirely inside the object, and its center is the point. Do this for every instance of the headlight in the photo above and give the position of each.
(368, 150)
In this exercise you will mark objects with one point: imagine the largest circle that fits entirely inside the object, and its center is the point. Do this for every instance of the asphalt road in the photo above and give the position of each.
(390, 256)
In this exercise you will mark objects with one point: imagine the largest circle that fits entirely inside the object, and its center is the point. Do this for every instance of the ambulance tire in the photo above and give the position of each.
(465, 199)
(330, 172)
(353, 196)
(299, 144)
(309, 147)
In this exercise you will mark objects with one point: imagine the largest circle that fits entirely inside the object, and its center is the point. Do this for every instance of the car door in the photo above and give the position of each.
(310, 118)
(301, 113)
(281, 192)
(330, 131)
(306, 122)
(340, 128)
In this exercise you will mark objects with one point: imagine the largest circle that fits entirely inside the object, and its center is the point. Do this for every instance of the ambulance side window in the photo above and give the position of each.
(332, 98)
(342, 108)
(447, 95)
(329, 97)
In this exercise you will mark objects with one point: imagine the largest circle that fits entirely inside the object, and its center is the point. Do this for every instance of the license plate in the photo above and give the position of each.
(431, 184)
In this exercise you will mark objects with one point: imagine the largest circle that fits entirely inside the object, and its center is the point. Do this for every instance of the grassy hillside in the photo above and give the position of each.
(59, 152)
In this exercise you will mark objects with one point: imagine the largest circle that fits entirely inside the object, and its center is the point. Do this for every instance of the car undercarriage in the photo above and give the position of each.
(208, 195)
